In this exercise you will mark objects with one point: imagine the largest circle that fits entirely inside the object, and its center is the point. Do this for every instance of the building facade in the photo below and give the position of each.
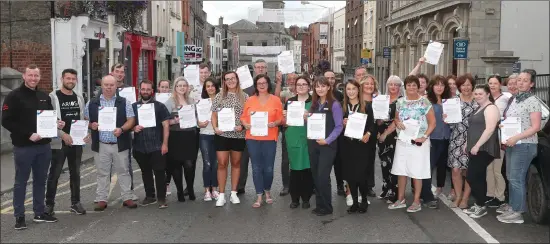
(369, 35)
(159, 27)
(297, 52)
(176, 23)
(338, 40)
(382, 63)
(353, 34)
(318, 50)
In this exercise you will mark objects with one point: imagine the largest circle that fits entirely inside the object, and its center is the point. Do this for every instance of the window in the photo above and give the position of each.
(249, 44)
(264, 44)
(371, 22)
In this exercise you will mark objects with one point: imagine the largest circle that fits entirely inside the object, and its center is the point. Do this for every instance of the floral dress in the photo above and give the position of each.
(458, 159)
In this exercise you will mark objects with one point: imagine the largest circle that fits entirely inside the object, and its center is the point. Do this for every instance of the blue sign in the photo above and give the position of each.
(180, 44)
(364, 61)
(386, 53)
(460, 49)
(516, 67)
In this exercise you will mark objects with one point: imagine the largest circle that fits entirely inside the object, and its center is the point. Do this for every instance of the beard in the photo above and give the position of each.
(68, 86)
(146, 97)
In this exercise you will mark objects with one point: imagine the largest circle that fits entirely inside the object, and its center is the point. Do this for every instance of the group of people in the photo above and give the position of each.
(471, 148)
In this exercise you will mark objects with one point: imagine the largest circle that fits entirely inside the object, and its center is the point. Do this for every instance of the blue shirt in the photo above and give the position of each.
(442, 130)
(107, 136)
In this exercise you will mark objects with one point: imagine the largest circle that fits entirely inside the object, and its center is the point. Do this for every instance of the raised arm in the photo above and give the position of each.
(416, 69)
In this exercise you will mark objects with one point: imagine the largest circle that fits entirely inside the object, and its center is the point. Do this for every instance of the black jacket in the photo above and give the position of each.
(19, 114)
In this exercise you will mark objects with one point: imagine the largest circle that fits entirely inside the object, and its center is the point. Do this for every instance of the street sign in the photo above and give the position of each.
(460, 48)
(386, 52)
(516, 67)
(189, 53)
(364, 61)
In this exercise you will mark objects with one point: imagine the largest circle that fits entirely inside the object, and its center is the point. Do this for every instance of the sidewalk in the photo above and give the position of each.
(7, 169)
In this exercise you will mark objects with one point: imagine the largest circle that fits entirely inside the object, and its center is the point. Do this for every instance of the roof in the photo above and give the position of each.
(243, 24)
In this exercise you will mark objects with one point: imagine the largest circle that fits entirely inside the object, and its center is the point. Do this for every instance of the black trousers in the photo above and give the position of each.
(476, 176)
(73, 155)
(322, 159)
(285, 163)
(354, 186)
(338, 169)
(183, 168)
(370, 164)
(301, 185)
(152, 163)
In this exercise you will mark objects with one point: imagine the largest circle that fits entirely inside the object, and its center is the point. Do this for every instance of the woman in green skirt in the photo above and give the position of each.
(301, 180)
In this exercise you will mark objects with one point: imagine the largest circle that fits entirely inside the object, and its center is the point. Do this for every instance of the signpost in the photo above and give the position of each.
(386, 52)
(460, 48)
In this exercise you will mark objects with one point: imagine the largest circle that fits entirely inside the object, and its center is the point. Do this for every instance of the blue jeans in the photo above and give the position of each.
(518, 160)
(209, 160)
(262, 157)
(37, 159)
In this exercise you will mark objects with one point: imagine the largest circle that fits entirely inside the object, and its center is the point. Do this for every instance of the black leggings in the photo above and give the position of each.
(301, 185)
(362, 187)
(476, 176)
(168, 176)
(188, 171)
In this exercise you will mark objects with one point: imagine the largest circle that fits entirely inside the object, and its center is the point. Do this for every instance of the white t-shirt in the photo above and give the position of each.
(502, 103)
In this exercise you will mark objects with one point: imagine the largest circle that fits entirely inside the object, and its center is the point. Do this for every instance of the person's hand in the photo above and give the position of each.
(365, 138)
(422, 60)
(217, 131)
(271, 125)
(67, 139)
(94, 126)
(511, 141)
(321, 142)
(35, 137)
(88, 139)
(164, 149)
(203, 124)
(279, 77)
(306, 114)
(239, 128)
(474, 150)
(345, 121)
(444, 116)
(382, 137)
(420, 140)
(175, 120)
(60, 124)
(400, 125)
(138, 128)
(246, 126)
(379, 122)
(284, 113)
(117, 132)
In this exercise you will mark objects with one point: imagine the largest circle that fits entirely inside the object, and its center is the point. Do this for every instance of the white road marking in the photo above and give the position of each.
(56, 212)
(469, 221)
(77, 234)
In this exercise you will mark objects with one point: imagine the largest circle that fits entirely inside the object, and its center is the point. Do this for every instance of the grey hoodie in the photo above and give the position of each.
(56, 142)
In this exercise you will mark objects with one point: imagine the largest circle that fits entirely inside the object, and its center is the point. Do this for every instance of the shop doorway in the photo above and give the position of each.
(94, 67)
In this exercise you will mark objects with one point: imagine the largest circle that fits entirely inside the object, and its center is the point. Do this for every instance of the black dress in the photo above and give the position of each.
(386, 151)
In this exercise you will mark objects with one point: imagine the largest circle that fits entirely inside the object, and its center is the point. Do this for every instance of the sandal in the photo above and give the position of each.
(415, 207)
(257, 204)
(269, 200)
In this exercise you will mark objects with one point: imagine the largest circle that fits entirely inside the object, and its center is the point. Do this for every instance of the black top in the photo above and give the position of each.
(338, 95)
(150, 139)
(370, 126)
(19, 114)
(70, 109)
(295, 98)
(476, 128)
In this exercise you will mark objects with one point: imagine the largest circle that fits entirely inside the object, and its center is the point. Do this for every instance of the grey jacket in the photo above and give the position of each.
(56, 142)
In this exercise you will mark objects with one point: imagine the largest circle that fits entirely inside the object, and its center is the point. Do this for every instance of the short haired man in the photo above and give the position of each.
(69, 106)
(111, 148)
(118, 72)
(331, 77)
(151, 146)
(30, 151)
(204, 72)
(360, 73)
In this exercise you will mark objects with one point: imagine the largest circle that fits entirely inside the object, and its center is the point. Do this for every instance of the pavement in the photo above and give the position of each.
(199, 221)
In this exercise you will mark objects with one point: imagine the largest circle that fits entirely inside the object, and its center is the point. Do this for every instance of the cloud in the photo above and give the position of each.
(295, 12)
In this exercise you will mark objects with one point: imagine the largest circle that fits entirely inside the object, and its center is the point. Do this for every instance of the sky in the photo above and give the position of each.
(302, 15)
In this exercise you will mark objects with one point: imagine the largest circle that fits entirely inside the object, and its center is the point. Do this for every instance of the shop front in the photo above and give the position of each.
(139, 57)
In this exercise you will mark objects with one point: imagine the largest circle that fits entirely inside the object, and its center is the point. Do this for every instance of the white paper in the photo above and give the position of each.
(245, 78)
(511, 126)
(129, 93)
(187, 116)
(295, 113)
(433, 52)
(162, 97)
(146, 115)
(204, 110)
(412, 127)
(381, 107)
(226, 119)
(285, 62)
(79, 130)
(451, 108)
(316, 126)
(106, 119)
(191, 74)
(46, 123)
(355, 127)
(258, 123)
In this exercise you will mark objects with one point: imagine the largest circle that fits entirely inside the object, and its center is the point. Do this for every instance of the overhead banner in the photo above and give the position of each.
(198, 54)
(189, 53)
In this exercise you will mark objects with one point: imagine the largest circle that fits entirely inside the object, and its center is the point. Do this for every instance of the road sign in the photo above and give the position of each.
(516, 67)
(460, 48)
(386, 52)
(364, 61)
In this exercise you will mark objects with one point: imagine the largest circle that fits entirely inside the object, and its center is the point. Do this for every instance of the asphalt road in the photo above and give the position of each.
(201, 221)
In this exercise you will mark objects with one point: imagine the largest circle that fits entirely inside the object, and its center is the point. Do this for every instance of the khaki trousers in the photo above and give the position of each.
(495, 181)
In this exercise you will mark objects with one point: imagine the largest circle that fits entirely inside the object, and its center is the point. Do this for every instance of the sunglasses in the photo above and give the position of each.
(416, 143)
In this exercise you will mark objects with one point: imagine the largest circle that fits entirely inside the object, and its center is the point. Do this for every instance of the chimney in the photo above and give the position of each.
(220, 21)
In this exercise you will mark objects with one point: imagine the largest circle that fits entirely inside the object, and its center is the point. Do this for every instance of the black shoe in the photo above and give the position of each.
(294, 204)
(315, 211)
(363, 207)
(306, 205)
(49, 210)
(20, 223)
(191, 195)
(353, 208)
(284, 192)
(148, 201)
(340, 191)
(323, 212)
(78, 209)
(371, 193)
(494, 203)
(185, 192)
(44, 218)
(240, 191)
(181, 197)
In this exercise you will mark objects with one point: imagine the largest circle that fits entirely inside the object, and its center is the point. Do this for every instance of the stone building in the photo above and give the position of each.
(354, 34)
(369, 33)
(338, 40)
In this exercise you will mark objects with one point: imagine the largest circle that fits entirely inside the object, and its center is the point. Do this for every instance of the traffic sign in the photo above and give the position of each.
(460, 48)
(386, 52)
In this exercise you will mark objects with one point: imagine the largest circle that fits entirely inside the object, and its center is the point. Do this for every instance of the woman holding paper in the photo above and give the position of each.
(357, 141)
(387, 137)
(415, 119)
(369, 86)
(325, 123)
(301, 180)
(227, 108)
(458, 157)
(522, 147)
(206, 144)
(182, 143)
(261, 118)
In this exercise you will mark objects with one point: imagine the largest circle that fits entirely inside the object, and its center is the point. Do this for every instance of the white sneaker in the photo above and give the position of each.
(207, 197)
(221, 200)
(234, 198)
(168, 192)
(215, 195)
(349, 200)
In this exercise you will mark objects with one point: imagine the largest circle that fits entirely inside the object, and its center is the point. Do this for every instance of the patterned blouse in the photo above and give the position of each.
(414, 109)
(523, 110)
(230, 101)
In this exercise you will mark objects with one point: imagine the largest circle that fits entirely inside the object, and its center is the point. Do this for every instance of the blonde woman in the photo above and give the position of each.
(183, 143)
(229, 144)
(369, 85)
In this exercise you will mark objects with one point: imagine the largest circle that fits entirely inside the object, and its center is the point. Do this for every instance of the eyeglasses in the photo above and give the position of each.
(231, 79)
(416, 143)
(261, 83)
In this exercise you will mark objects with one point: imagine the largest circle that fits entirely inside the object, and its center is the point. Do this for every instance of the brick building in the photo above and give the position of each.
(25, 35)
(354, 32)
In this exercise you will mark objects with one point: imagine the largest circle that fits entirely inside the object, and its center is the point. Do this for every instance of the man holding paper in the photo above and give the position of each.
(151, 143)
(111, 119)
(70, 109)
(30, 150)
